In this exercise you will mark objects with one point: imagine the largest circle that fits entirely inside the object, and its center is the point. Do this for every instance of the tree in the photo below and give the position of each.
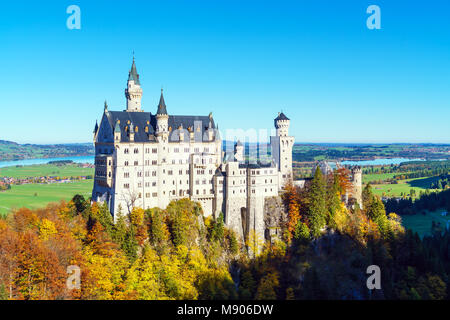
(317, 211)
(267, 287)
(159, 233)
(218, 229)
(292, 202)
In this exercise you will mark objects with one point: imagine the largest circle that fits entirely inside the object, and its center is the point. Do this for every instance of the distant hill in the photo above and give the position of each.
(10, 150)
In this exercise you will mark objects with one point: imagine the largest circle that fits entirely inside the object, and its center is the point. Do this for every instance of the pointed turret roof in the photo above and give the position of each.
(96, 127)
(162, 105)
(281, 116)
(133, 75)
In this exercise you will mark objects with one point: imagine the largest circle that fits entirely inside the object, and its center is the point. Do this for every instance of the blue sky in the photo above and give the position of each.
(244, 60)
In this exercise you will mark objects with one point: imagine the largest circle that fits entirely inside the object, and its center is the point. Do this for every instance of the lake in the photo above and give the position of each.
(29, 162)
(90, 159)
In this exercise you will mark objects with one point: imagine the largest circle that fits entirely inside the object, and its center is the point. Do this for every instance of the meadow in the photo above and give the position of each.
(422, 223)
(39, 195)
(404, 187)
(69, 170)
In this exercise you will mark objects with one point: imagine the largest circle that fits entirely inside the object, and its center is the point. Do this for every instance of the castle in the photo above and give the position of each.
(147, 160)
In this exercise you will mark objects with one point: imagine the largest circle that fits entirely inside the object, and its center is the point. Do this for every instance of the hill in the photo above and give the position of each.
(13, 151)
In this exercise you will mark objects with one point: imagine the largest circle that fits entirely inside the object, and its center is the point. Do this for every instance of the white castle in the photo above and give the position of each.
(147, 160)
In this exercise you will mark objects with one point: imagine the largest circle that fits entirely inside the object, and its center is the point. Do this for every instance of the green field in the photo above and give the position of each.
(422, 223)
(39, 195)
(70, 170)
(404, 186)
(378, 176)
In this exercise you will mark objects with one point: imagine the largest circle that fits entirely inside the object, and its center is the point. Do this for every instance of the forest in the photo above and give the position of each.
(323, 251)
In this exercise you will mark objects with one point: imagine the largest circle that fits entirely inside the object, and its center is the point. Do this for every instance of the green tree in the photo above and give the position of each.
(317, 210)
(218, 229)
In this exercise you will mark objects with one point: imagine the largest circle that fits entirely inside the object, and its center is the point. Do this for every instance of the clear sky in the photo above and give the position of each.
(244, 60)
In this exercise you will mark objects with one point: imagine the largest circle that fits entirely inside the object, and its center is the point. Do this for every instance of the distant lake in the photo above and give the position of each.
(378, 162)
(29, 162)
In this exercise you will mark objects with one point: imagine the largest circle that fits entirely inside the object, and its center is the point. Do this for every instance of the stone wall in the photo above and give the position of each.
(275, 218)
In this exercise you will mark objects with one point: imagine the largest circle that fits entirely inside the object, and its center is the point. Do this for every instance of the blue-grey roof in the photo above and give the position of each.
(133, 75)
(161, 105)
(143, 120)
(281, 116)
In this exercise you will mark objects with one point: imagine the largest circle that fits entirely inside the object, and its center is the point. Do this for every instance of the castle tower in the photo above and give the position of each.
(162, 120)
(282, 145)
(357, 184)
(133, 92)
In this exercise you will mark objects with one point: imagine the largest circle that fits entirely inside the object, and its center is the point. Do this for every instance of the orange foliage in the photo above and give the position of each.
(292, 199)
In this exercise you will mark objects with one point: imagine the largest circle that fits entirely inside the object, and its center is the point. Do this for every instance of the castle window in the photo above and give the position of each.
(154, 173)
(153, 184)
(126, 163)
(139, 174)
(176, 150)
(154, 150)
(147, 184)
(136, 163)
(136, 150)
(170, 172)
(140, 185)
(147, 195)
(154, 162)
(126, 174)
(180, 172)
(155, 194)
(125, 151)
(140, 195)
(126, 186)
(186, 149)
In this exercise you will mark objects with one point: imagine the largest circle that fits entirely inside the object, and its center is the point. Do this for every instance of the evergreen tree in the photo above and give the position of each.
(218, 229)
(317, 211)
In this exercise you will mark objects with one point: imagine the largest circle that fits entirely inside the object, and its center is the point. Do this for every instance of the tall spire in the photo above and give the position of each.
(133, 92)
(133, 75)
(162, 105)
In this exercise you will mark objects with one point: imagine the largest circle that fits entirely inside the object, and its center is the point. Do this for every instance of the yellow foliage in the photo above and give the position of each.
(254, 243)
(137, 216)
(46, 229)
